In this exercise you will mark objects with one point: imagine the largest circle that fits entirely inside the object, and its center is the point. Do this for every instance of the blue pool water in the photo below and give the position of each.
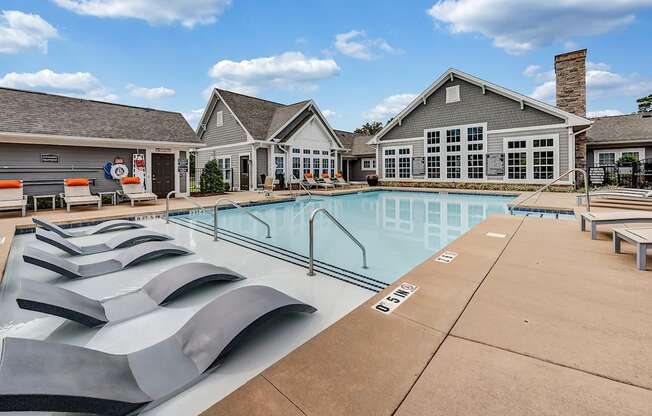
(398, 229)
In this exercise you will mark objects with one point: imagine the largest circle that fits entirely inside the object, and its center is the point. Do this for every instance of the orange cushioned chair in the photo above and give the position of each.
(134, 190)
(77, 192)
(11, 196)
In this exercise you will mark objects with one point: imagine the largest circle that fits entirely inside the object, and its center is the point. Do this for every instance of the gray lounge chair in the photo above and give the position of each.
(42, 376)
(165, 287)
(106, 226)
(134, 255)
(124, 239)
(614, 217)
(639, 237)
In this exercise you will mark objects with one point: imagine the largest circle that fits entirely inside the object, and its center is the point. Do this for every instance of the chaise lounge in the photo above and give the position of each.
(134, 190)
(622, 217)
(163, 288)
(125, 239)
(77, 191)
(137, 254)
(103, 227)
(12, 197)
(43, 376)
(639, 237)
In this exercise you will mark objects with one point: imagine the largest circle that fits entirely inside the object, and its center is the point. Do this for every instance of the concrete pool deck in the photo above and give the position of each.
(542, 321)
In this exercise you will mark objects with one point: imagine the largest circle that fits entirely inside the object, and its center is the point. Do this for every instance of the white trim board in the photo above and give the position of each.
(52, 139)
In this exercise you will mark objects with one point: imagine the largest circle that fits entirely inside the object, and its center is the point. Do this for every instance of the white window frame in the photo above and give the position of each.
(371, 161)
(618, 153)
(529, 151)
(463, 153)
(396, 157)
(219, 118)
(226, 174)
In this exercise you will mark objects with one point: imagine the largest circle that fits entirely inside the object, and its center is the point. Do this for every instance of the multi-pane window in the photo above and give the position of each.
(332, 168)
(315, 168)
(517, 144)
(543, 143)
(368, 164)
(543, 163)
(324, 165)
(306, 151)
(453, 136)
(475, 166)
(607, 159)
(224, 164)
(433, 167)
(432, 142)
(517, 165)
(630, 155)
(390, 167)
(296, 150)
(278, 164)
(325, 152)
(453, 166)
(296, 167)
(316, 152)
(404, 163)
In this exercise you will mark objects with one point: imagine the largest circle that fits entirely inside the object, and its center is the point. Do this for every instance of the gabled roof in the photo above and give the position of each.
(630, 128)
(37, 113)
(356, 143)
(571, 119)
(261, 119)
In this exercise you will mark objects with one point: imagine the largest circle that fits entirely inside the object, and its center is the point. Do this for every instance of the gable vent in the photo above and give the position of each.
(453, 94)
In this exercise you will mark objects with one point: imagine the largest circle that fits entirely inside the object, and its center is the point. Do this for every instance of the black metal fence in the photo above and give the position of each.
(195, 179)
(629, 174)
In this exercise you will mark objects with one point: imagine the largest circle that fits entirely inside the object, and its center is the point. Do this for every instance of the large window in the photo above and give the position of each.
(315, 167)
(456, 152)
(306, 166)
(390, 163)
(433, 167)
(404, 163)
(314, 161)
(453, 166)
(296, 167)
(533, 158)
(224, 164)
(609, 157)
(369, 164)
(475, 166)
(324, 165)
(279, 164)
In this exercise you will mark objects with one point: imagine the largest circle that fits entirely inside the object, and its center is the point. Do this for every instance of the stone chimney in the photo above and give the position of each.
(570, 69)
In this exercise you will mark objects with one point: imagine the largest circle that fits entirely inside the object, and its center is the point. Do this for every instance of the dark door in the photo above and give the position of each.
(162, 173)
(244, 173)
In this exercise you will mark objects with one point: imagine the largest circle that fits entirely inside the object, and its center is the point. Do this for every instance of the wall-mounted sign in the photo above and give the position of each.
(183, 165)
(392, 301)
(496, 164)
(596, 175)
(418, 166)
(163, 150)
(49, 158)
(625, 170)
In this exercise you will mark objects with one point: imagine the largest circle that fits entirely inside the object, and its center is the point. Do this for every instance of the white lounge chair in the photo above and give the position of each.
(620, 217)
(340, 179)
(620, 194)
(12, 197)
(327, 179)
(77, 191)
(134, 190)
(313, 183)
(640, 237)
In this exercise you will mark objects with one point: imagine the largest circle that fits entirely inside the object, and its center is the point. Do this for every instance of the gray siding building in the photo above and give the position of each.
(359, 158)
(46, 138)
(251, 138)
(464, 129)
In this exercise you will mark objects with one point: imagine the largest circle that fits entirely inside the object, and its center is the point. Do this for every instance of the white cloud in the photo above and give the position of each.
(604, 113)
(188, 12)
(330, 114)
(78, 84)
(520, 26)
(150, 93)
(19, 31)
(389, 107)
(290, 70)
(357, 45)
(193, 116)
(601, 81)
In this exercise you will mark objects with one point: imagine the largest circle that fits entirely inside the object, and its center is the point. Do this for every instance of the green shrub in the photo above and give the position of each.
(211, 180)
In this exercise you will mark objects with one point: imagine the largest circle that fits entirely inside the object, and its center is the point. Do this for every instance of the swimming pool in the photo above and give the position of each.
(399, 229)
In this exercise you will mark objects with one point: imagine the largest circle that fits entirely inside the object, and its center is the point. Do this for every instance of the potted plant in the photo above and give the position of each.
(372, 180)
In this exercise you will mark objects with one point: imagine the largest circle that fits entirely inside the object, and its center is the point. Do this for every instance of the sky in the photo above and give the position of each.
(358, 60)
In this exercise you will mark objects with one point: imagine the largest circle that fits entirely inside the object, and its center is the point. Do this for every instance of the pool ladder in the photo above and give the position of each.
(215, 210)
(311, 248)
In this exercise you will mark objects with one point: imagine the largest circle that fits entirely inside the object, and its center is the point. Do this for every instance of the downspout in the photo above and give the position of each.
(285, 162)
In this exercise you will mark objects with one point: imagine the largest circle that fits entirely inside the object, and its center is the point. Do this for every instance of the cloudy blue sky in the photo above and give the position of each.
(359, 60)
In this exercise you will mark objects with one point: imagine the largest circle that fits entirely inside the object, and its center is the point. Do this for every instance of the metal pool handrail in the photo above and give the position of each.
(301, 185)
(235, 204)
(546, 186)
(167, 204)
(311, 264)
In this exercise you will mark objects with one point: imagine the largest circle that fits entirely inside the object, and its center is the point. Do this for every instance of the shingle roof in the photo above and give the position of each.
(48, 114)
(357, 143)
(261, 118)
(632, 128)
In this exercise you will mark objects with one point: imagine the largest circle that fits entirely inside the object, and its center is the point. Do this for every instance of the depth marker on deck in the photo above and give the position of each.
(446, 257)
(496, 235)
(396, 298)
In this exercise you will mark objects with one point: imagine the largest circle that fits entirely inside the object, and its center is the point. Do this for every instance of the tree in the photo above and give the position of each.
(211, 178)
(370, 129)
(644, 104)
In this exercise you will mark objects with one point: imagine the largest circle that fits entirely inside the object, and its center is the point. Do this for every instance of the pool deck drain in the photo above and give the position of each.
(544, 321)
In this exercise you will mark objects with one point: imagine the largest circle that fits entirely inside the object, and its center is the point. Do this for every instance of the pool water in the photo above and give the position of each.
(398, 229)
